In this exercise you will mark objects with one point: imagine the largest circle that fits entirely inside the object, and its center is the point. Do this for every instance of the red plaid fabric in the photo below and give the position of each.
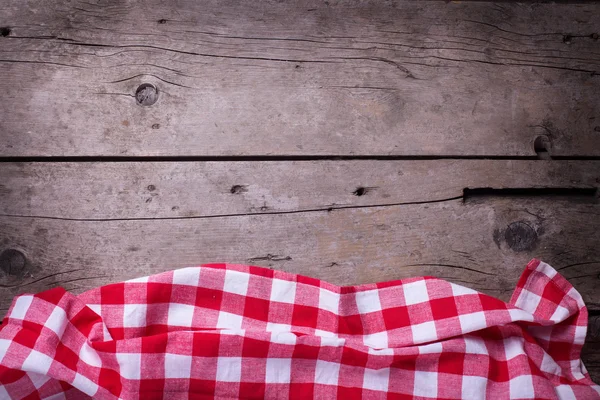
(232, 331)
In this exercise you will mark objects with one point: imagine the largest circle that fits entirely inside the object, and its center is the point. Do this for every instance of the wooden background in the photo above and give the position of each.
(329, 138)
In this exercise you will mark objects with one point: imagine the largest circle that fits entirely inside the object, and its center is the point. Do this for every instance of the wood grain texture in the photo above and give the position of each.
(471, 244)
(297, 78)
(591, 351)
(126, 190)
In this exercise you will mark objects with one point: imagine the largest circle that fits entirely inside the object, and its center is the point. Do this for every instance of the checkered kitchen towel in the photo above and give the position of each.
(233, 331)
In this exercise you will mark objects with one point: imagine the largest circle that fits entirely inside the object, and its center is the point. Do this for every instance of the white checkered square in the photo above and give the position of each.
(528, 300)
(521, 387)
(178, 365)
(89, 356)
(576, 369)
(475, 345)
(549, 366)
(236, 282)
(546, 270)
(520, 315)
(130, 365)
(426, 384)
(38, 380)
(368, 301)
(321, 333)
(229, 369)
(415, 292)
(37, 362)
(574, 294)
(432, 348)
(283, 291)
(458, 290)
(57, 321)
(474, 387)
(580, 334)
(141, 279)
(560, 314)
(229, 321)
(186, 276)
(513, 347)
(4, 344)
(279, 370)
(134, 315)
(329, 301)
(327, 373)
(332, 341)
(378, 340)
(85, 385)
(376, 379)
(21, 306)
(472, 322)
(276, 327)
(180, 314)
(565, 392)
(283, 337)
(424, 332)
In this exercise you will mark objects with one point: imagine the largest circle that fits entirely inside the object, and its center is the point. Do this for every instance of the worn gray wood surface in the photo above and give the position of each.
(484, 244)
(295, 78)
(111, 190)
(591, 350)
(299, 78)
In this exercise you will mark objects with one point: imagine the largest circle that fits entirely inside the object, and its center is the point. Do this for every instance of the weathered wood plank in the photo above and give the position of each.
(292, 78)
(200, 189)
(484, 245)
(591, 351)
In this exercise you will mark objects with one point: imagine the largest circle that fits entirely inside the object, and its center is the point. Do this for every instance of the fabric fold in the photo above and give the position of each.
(234, 331)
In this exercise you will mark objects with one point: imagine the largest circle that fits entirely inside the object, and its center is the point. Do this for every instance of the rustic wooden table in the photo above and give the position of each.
(328, 138)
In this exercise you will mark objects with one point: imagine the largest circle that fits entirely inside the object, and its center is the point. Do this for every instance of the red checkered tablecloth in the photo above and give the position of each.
(232, 331)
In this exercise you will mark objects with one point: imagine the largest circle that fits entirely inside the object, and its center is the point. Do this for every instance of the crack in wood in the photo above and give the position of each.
(19, 285)
(577, 264)
(326, 209)
(76, 280)
(269, 257)
(449, 266)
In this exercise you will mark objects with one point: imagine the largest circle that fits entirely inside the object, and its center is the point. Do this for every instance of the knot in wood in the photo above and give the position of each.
(12, 262)
(520, 236)
(146, 94)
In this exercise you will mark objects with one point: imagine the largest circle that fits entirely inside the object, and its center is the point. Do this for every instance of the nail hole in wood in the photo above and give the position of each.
(162, 21)
(12, 262)
(567, 39)
(151, 188)
(155, 126)
(146, 94)
(360, 191)
(5, 31)
(541, 146)
(237, 189)
(594, 36)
